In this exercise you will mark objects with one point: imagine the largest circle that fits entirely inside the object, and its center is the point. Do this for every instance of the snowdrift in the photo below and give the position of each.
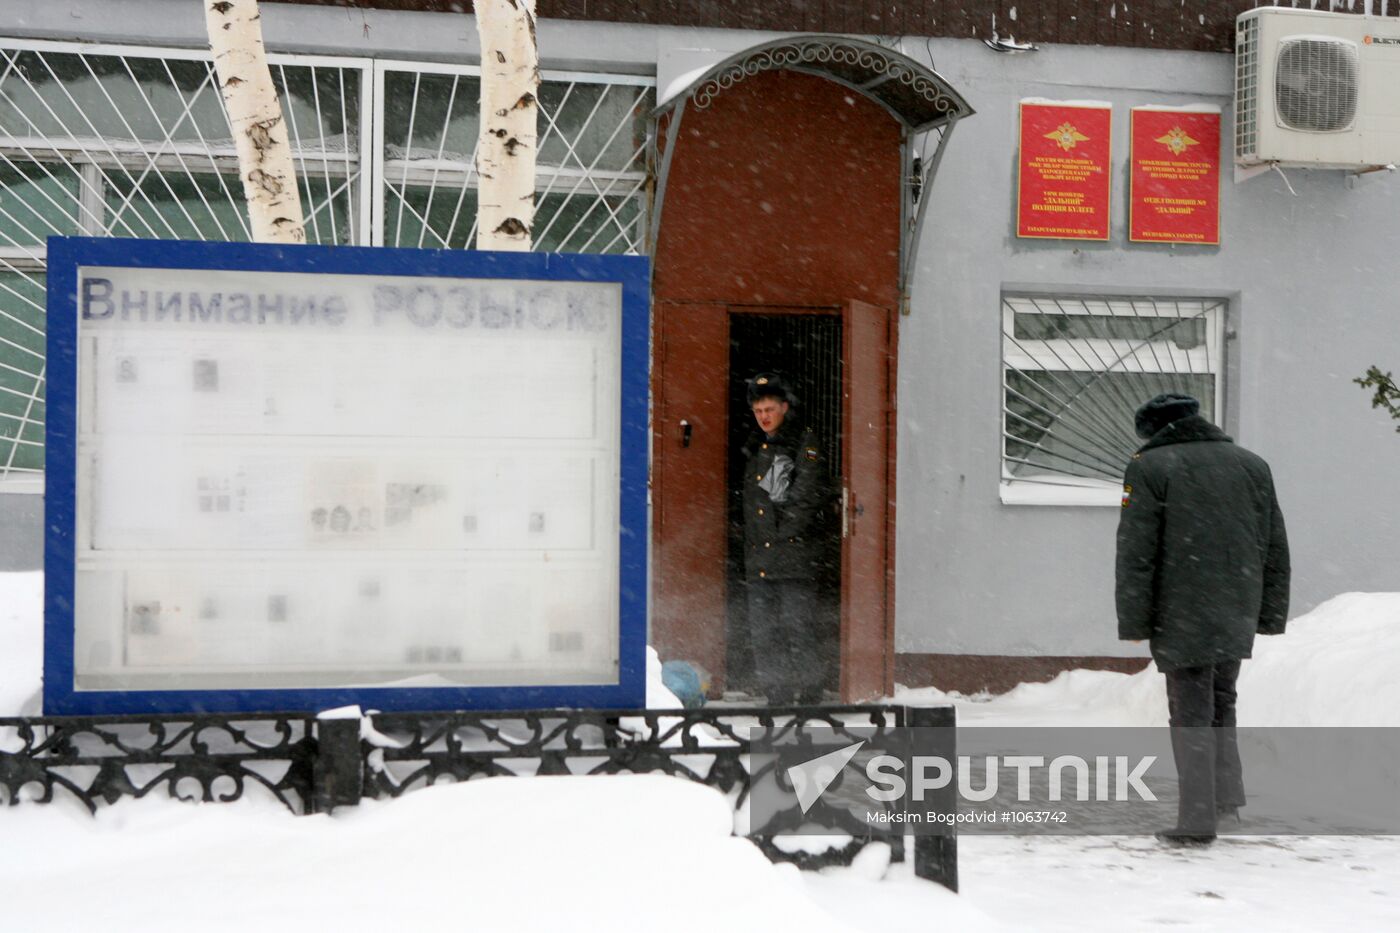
(1335, 666)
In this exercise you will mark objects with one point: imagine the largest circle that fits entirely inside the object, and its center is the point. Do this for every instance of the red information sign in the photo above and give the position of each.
(1064, 171)
(1175, 187)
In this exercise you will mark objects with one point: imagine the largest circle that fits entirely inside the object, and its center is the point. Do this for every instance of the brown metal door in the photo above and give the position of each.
(689, 437)
(866, 511)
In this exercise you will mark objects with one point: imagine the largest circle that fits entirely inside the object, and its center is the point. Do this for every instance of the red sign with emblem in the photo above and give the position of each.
(1175, 180)
(1064, 170)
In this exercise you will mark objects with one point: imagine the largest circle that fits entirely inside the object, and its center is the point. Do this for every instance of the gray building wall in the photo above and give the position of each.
(21, 531)
(1312, 281)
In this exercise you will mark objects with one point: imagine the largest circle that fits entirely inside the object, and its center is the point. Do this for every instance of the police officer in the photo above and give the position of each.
(1202, 568)
(784, 493)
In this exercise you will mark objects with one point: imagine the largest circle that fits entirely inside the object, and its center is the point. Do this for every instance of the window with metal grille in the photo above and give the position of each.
(590, 168)
(21, 373)
(1074, 370)
(133, 141)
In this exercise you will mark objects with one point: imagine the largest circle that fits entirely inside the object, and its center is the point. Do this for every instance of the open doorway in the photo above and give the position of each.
(804, 347)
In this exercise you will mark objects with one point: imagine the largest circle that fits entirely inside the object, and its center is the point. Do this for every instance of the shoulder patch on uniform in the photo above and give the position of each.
(811, 454)
(1127, 493)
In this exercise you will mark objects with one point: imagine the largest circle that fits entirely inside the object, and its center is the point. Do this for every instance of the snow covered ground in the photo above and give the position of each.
(654, 853)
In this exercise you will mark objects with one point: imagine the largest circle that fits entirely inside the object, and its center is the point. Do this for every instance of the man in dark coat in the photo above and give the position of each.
(784, 493)
(1202, 568)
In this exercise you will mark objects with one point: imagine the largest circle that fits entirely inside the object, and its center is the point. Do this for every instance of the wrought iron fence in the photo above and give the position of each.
(207, 758)
(315, 765)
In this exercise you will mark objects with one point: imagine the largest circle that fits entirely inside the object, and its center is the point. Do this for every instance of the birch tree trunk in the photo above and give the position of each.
(505, 152)
(255, 114)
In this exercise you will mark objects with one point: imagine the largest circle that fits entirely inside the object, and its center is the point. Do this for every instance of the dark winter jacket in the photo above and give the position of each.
(1202, 551)
(782, 522)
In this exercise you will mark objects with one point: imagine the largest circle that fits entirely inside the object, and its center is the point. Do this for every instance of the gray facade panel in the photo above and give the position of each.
(21, 531)
(1311, 278)
(447, 37)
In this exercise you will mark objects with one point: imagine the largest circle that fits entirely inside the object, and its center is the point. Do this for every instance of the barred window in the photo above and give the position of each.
(590, 174)
(21, 375)
(1074, 370)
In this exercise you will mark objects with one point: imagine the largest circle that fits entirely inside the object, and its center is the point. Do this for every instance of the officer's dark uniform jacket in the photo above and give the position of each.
(780, 537)
(1202, 553)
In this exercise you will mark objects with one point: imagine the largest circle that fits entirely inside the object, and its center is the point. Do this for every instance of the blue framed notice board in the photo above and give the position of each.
(298, 478)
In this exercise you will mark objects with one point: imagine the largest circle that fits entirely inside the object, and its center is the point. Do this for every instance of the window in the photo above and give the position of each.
(590, 170)
(21, 378)
(1076, 368)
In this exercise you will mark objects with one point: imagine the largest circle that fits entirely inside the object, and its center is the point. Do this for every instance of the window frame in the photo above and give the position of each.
(403, 174)
(1048, 488)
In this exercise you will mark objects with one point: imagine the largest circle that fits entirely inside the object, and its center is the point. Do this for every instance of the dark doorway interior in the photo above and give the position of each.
(805, 348)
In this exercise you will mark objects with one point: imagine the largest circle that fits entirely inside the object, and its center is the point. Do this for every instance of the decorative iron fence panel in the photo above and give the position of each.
(314, 765)
(208, 758)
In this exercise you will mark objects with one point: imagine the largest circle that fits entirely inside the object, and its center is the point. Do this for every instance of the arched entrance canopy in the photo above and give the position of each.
(914, 94)
(921, 100)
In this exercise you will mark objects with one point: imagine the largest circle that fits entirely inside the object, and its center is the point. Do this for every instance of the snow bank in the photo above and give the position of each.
(22, 638)
(578, 853)
(655, 853)
(1334, 667)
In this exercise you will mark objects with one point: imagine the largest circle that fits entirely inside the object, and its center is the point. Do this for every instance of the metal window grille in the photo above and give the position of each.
(1075, 368)
(591, 171)
(134, 141)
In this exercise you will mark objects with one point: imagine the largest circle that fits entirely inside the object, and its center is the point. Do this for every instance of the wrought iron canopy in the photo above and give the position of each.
(916, 95)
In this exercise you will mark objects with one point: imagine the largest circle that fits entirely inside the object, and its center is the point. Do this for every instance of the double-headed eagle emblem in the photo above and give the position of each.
(1177, 141)
(1066, 136)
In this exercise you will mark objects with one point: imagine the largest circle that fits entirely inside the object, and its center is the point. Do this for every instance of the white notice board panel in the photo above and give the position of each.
(313, 476)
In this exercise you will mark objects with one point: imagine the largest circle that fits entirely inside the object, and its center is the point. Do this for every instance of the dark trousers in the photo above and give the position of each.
(782, 632)
(1201, 702)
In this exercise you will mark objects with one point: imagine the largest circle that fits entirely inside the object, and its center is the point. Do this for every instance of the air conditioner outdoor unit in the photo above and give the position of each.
(1316, 89)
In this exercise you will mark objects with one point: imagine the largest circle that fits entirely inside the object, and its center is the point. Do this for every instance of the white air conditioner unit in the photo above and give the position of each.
(1316, 89)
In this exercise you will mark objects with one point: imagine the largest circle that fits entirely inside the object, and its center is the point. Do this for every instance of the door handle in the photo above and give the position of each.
(845, 512)
(685, 433)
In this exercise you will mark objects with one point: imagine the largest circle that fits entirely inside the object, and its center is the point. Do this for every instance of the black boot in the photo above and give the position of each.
(1184, 839)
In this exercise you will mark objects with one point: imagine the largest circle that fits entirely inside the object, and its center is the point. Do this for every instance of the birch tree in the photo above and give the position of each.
(505, 152)
(255, 115)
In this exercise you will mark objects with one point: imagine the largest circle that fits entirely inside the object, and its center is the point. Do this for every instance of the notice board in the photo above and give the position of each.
(294, 478)
(1063, 170)
(1175, 178)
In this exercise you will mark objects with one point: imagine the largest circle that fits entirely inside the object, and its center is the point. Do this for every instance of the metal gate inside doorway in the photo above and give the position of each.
(802, 345)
